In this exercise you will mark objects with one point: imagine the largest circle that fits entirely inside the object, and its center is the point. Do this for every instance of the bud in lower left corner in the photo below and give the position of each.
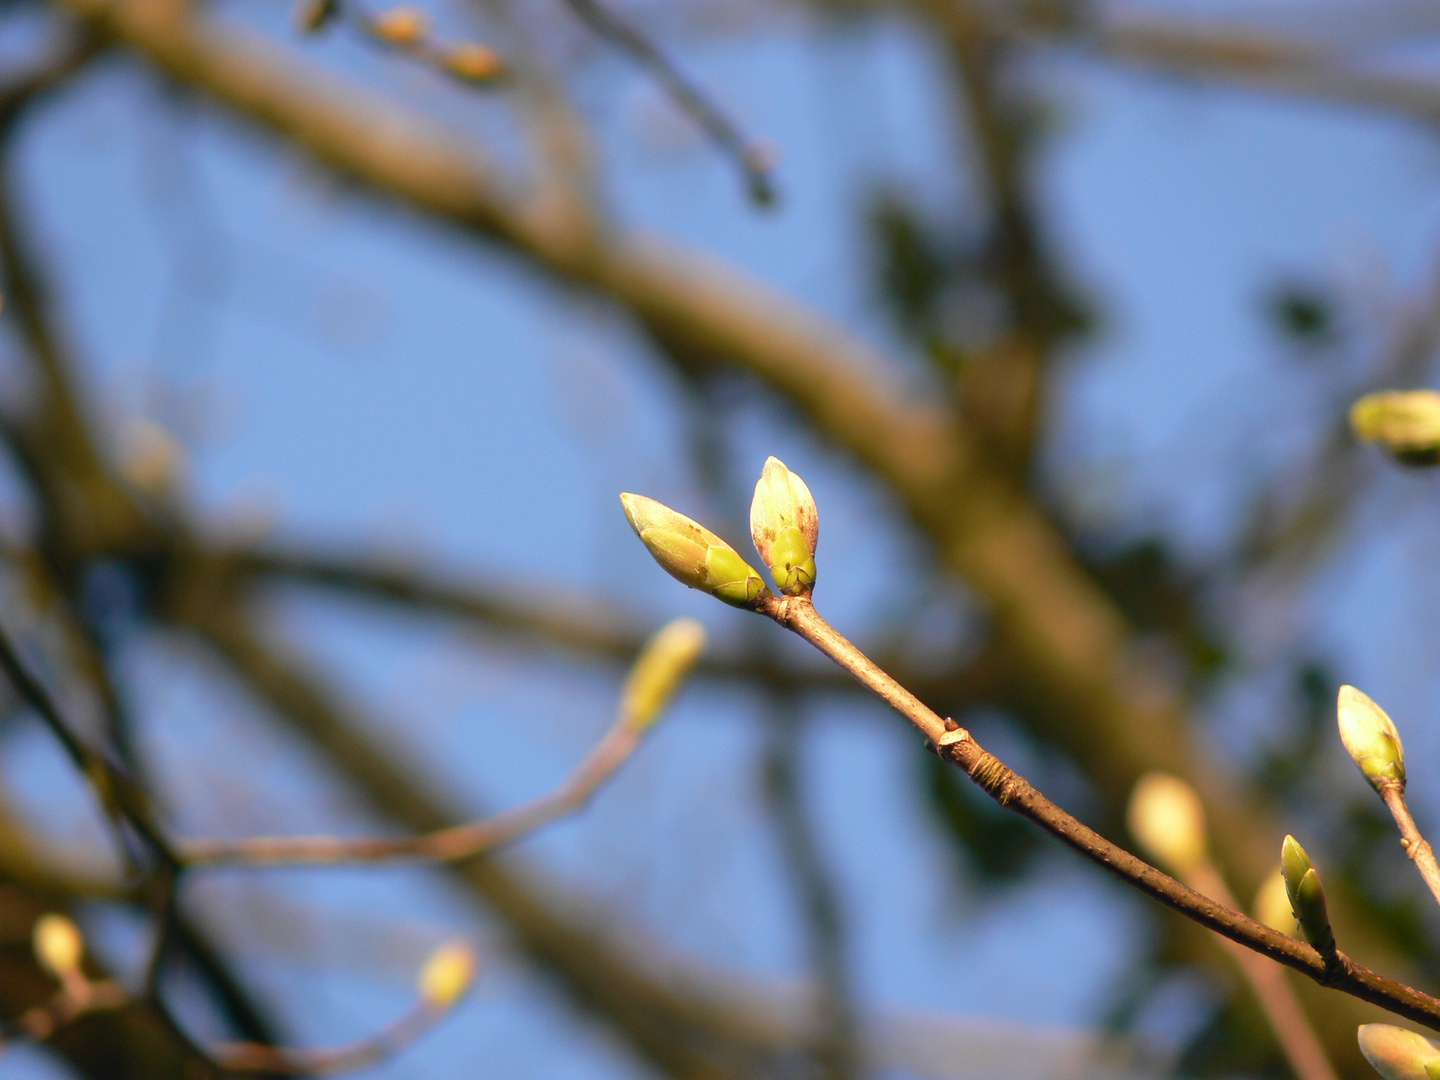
(1398, 1054)
(785, 525)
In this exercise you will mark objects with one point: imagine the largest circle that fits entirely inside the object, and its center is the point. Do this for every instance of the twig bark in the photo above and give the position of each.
(1416, 846)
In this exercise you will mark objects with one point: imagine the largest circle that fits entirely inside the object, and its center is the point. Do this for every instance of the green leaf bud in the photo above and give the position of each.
(1307, 895)
(659, 670)
(785, 525)
(1167, 818)
(691, 553)
(1398, 1054)
(1370, 738)
(1406, 422)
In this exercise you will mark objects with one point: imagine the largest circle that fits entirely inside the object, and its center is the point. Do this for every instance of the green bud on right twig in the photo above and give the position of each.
(1398, 1054)
(691, 553)
(1307, 895)
(1407, 423)
(1371, 739)
(785, 526)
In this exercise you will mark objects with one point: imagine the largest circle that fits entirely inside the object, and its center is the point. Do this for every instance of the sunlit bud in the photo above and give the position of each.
(447, 974)
(58, 945)
(1166, 816)
(401, 25)
(785, 527)
(659, 670)
(149, 457)
(1370, 738)
(1406, 422)
(691, 553)
(1272, 905)
(314, 15)
(1307, 895)
(1398, 1054)
(474, 63)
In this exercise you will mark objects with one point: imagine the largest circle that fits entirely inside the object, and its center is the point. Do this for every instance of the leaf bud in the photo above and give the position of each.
(474, 63)
(447, 974)
(691, 553)
(1370, 738)
(58, 945)
(1398, 1054)
(1307, 895)
(1406, 422)
(402, 25)
(659, 670)
(785, 526)
(1166, 816)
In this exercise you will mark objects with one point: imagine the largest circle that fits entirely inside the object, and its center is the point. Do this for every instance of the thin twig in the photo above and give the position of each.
(257, 1057)
(1416, 846)
(442, 845)
(1292, 1027)
(1016, 794)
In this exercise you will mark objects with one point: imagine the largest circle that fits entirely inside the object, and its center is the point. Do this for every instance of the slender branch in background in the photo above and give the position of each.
(1167, 818)
(1013, 792)
(753, 161)
(657, 674)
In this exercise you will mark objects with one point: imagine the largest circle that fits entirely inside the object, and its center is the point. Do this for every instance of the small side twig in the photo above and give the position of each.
(443, 845)
(1416, 846)
(250, 1057)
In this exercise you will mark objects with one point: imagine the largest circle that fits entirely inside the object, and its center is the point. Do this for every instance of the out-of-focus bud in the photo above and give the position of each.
(447, 974)
(1307, 895)
(401, 25)
(659, 670)
(312, 16)
(474, 63)
(785, 526)
(1166, 816)
(1406, 422)
(58, 945)
(150, 457)
(1370, 738)
(1272, 905)
(691, 553)
(1398, 1054)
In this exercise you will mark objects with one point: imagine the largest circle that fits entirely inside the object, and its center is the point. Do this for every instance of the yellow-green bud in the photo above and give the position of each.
(659, 670)
(1307, 895)
(1398, 1054)
(1167, 817)
(1272, 905)
(57, 944)
(1370, 738)
(1406, 422)
(785, 526)
(691, 553)
(447, 974)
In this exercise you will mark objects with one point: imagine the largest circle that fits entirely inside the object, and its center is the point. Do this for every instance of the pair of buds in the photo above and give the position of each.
(784, 525)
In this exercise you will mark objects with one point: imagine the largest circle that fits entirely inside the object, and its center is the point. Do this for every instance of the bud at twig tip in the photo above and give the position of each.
(58, 945)
(785, 525)
(1370, 738)
(401, 25)
(1307, 895)
(474, 63)
(1406, 422)
(1398, 1054)
(447, 975)
(661, 667)
(691, 553)
(1167, 818)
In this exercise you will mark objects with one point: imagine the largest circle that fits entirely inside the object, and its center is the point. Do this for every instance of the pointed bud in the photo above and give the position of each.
(659, 670)
(447, 974)
(1370, 738)
(1307, 895)
(1166, 817)
(401, 25)
(1398, 1054)
(785, 526)
(691, 553)
(1272, 905)
(1406, 422)
(474, 63)
(58, 945)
